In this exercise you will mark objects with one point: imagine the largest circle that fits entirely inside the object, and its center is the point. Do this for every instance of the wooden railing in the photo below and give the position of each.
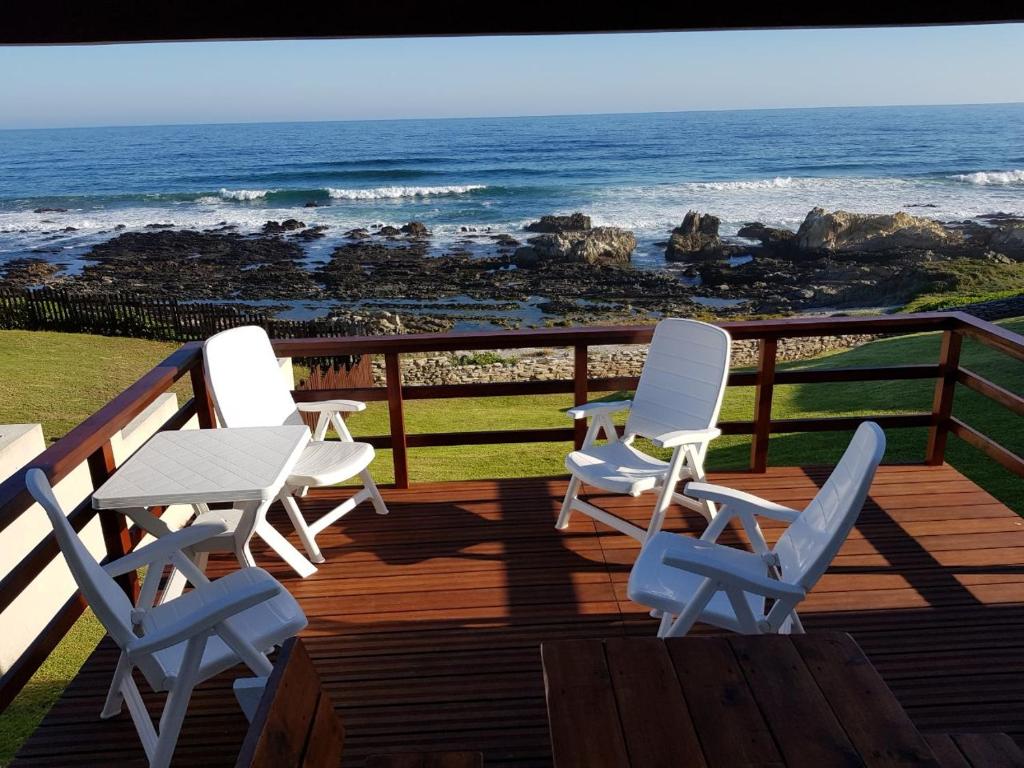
(90, 441)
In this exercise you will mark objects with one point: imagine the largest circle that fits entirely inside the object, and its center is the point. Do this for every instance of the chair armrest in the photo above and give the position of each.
(334, 406)
(740, 501)
(701, 560)
(686, 437)
(204, 619)
(160, 551)
(596, 407)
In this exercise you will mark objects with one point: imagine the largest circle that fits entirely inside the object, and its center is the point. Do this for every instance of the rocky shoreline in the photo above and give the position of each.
(558, 270)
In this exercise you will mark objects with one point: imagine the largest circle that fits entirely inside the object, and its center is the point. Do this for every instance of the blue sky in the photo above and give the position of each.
(465, 77)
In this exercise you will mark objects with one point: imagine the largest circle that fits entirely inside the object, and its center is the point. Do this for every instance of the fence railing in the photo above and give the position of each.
(125, 314)
(90, 441)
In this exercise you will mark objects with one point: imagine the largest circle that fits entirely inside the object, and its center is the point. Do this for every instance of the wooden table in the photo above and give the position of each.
(245, 467)
(782, 700)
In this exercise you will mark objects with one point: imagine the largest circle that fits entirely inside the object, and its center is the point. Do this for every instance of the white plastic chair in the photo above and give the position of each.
(690, 580)
(248, 390)
(676, 405)
(183, 642)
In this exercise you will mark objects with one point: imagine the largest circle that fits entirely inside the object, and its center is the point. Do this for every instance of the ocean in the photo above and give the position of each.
(459, 176)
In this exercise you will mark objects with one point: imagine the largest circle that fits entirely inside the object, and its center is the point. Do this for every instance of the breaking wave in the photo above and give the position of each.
(383, 193)
(987, 178)
(779, 182)
(244, 194)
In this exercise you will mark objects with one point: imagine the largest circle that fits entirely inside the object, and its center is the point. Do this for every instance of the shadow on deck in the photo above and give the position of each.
(425, 624)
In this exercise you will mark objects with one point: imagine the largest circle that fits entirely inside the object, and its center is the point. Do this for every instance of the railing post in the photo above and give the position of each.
(116, 537)
(396, 412)
(942, 401)
(766, 354)
(579, 391)
(204, 403)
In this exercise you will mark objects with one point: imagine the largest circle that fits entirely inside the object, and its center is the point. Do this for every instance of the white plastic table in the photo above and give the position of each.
(246, 467)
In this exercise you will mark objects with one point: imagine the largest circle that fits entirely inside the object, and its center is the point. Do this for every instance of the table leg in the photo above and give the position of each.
(274, 540)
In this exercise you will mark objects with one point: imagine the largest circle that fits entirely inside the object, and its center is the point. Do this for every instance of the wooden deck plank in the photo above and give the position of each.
(425, 625)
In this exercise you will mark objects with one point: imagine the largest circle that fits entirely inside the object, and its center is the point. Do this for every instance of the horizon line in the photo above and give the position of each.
(509, 117)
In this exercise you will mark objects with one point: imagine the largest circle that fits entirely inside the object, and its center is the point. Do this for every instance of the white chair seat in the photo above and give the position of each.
(617, 468)
(667, 589)
(329, 462)
(264, 625)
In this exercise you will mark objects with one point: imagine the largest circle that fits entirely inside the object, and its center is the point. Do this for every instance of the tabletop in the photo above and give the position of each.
(782, 700)
(193, 466)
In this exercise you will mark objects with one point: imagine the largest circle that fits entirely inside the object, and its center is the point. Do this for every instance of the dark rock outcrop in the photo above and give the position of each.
(50, 210)
(571, 223)
(28, 273)
(415, 229)
(697, 237)
(288, 225)
(770, 237)
(199, 265)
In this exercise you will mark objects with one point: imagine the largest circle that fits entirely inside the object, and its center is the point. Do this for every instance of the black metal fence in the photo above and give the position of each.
(122, 314)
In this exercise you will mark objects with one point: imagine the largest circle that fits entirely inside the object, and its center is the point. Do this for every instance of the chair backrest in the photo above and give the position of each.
(811, 542)
(683, 379)
(107, 600)
(245, 380)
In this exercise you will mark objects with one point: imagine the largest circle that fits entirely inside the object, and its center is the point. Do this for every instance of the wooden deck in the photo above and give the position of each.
(425, 625)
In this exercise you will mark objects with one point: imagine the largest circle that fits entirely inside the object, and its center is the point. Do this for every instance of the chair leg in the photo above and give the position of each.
(570, 497)
(299, 522)
(112, 705)
(176, 705)
(665, 625)
(375, 498)
(696, 461)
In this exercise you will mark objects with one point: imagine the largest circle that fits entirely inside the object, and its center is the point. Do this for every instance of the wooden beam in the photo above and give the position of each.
(942, 401)
(766, 354)
(1009, 400)
(580, 361)
(988, 446)
(125, 21)
(116, 539)
(396, 414)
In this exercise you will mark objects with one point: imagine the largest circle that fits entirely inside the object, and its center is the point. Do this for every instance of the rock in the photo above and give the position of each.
(288, 225)
(860, 232)
(770, 237)
(1009, 239)
(415, 229)
(526, 257)
(571, 223)
(28, 273)
(50, 210)
(311, 204)
(389, 231)
(696, 236)
(313, 233)
(159, 226)
(603, 245)
(357, 234)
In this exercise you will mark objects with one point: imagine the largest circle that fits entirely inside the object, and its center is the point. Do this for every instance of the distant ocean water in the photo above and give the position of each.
(641, 171)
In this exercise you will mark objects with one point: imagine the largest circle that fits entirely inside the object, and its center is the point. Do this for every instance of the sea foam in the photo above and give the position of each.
(382, 193)
(986, 178)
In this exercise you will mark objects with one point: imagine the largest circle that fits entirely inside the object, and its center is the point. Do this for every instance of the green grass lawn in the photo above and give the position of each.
(59, 379)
